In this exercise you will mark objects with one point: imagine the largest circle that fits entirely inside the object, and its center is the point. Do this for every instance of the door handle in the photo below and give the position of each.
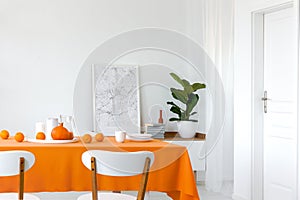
(265, 99)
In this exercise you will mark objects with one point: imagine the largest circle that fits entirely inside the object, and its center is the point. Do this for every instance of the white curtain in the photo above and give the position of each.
(216, 38)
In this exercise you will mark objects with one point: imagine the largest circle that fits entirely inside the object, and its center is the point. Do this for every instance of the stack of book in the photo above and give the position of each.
(157, 130)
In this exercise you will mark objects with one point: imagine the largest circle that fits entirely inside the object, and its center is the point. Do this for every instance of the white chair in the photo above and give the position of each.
(117, 164)
(16, 163)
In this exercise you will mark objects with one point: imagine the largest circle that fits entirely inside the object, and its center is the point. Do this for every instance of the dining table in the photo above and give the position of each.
(58, 168)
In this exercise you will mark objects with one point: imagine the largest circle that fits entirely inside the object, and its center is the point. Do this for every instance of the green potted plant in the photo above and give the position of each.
(188, 97)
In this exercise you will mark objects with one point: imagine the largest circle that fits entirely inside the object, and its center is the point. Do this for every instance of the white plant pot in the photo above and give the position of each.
(187, 129)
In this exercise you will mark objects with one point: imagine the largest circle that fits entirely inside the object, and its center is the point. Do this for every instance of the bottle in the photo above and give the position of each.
(160, 119)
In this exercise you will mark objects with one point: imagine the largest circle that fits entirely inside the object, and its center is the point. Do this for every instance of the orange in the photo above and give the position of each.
(40, 136)
(4, 134)
(86, 138)
(99, 137)
(19, 137)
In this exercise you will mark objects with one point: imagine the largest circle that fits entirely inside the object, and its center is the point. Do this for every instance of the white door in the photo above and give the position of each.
(280, 119)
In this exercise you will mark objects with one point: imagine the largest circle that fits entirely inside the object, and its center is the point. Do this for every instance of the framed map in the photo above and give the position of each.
(116, 99)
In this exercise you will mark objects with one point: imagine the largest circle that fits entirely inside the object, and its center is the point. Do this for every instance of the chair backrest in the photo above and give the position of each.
(10, 162)
(117, 163)
(16, 163)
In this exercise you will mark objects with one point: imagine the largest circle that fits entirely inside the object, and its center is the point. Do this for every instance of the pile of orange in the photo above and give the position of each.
(87, 138)
(19, 136)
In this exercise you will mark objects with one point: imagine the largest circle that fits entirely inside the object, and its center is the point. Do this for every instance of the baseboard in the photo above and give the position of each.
(200, 176)
(238, 197)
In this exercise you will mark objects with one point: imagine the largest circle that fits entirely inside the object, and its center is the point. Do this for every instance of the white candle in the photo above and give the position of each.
(40, 127)
(50, 124)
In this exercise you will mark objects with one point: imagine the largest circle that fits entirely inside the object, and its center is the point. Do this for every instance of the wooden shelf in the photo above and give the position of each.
(176, 137)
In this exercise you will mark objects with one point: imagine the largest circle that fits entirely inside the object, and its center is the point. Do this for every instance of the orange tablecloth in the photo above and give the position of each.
(59, 168)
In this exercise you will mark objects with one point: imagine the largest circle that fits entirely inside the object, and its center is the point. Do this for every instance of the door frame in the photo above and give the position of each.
(257, 89)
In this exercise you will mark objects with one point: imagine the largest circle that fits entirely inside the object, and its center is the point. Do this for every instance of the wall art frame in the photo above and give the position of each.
(116, 98)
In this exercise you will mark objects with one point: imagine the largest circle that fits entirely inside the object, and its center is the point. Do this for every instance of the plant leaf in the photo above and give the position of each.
(197, 86)
(193, 113)
(191, 103)
(187, 87)
(174, 119)
(176, 78)
(193, 120)
(176, 110)
(171, 103)
(179, 95)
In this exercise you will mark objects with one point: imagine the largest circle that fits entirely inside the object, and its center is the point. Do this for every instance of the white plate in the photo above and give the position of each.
(140, 139)
(140, 136)
(52, 141)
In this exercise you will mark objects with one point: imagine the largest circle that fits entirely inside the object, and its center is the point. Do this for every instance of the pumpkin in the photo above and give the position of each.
(61, 133)
(71, 136)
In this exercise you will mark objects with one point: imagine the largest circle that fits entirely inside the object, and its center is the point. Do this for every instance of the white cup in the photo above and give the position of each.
(120, 136)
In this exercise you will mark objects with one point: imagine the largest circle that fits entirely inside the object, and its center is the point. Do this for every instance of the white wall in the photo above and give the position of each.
(43, 45)
(242, 97)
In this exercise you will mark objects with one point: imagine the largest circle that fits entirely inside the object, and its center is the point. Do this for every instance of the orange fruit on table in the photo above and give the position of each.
(99, 137)
(19, 137)
(40, 136)
(4, 134)
(86, 138)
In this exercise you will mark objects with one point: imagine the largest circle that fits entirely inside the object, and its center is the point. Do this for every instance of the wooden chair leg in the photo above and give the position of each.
(143, 185)
(94, 179)
(21, 184)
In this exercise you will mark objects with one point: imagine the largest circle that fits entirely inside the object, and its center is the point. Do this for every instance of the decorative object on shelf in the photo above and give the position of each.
(157, 130)
(160, 119)
(186, 126)
(116, 99)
